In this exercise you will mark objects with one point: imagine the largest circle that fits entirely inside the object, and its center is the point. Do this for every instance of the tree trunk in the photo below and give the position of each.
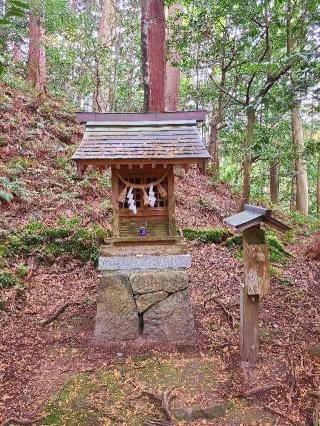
(302, 198)
(17, 52)
(274, 181)
(153, 54)
(251, 115)
(102, 94)
(318, 188)
(172, 71)
(213, 146)
(37, 54)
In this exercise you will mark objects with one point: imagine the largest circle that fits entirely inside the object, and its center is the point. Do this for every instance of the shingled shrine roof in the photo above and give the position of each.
(115, 141)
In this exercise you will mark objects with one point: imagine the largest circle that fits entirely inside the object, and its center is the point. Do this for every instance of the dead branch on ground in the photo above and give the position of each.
(15, 421)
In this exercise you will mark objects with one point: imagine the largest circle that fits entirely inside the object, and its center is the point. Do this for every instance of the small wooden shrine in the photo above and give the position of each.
(144, 283)
(142, 150)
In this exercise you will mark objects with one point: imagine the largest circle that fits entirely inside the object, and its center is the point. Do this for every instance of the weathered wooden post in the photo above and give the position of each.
(256, 270)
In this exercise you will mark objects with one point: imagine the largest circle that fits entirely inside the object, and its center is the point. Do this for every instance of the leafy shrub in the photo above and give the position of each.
(206, 236)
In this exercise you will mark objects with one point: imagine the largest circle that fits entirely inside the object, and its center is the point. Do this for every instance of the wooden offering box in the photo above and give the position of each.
(142, 150)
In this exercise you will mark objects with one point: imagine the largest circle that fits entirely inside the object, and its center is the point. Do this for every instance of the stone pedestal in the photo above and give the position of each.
(144, 295)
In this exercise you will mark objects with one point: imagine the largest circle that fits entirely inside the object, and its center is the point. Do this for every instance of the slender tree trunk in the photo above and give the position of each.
(17, 52)
(251, 116)
(318, 187)
(102, 96)
(213, 146)
(302, 197)
(37, 54)
(153, 54)
(172, 71)
(274, 181)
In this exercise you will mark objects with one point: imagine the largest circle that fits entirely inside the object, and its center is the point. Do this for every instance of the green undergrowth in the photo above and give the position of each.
(207, 235)
(277, 252)
(48, 242)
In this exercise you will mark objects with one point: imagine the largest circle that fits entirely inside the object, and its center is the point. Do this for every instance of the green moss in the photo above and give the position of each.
(235, 240)
(206, 236)
(3, 251)
(47, 243)
(190, 233)
(71, 405)
(7, 280)
(286, 282)
(277, 252)
(22, 271)
(276, 272)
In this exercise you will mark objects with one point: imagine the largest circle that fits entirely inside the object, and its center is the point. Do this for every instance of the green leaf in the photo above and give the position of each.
(20, 4)
(4, 21)
(13, 11)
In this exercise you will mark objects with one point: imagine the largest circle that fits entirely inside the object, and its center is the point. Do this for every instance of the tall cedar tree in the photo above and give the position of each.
(153, 54)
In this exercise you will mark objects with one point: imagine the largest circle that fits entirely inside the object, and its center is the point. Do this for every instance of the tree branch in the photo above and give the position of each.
(227, 93)
(271, 80)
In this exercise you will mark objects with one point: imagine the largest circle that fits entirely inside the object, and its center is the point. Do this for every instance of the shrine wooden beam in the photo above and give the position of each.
(83, 117)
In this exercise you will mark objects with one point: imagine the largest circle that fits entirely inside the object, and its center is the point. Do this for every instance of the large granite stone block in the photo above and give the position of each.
(170, 319)
(117, 316)
(145, 301)
(158, 280)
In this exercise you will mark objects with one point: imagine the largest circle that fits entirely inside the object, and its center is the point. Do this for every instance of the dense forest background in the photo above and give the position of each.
(254, 66)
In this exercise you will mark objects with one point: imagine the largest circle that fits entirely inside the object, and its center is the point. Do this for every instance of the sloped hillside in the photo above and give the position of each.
(51, 225)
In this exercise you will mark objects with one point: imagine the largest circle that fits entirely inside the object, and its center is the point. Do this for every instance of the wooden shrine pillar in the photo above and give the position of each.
(171, 203)
(256, 285)
(115, 203)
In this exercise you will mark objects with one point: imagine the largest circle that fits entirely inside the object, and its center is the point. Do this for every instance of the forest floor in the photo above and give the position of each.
(55, 369)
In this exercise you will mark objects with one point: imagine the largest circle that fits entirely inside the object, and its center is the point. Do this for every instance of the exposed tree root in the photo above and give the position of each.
(59, 312)
(280, 413)
(229, 315)
(16, 421)
(163, 402)
(255, 391)
(316, 415)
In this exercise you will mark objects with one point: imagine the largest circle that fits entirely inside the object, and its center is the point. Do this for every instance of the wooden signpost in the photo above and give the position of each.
(256, 270)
